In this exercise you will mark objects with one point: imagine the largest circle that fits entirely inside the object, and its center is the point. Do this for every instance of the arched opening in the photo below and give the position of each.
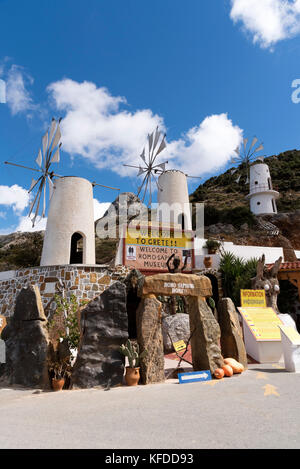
(76, 254)
(181, 220)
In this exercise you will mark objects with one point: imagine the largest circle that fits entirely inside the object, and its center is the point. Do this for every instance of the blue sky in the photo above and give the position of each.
(208, 73)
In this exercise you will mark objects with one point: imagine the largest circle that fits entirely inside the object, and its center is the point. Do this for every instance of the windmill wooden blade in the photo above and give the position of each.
(39, 159)
(52, 130)
(56, 157)
(254, 141)
(142, 155)
(156, 138)
(45, 144)
(56, 138)
(33, 184)
(44, 201)
(51, 187)
(162, 146)
(150, 141)
(261, 147)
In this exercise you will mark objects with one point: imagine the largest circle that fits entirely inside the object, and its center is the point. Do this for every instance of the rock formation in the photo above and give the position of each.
(26, 341)
(104, 327)
(205, 341)
(232, 344)
(149, 337)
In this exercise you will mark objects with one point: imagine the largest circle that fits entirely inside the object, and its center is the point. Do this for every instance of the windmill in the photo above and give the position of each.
(48, 153)
(246, 155)
(149, 168)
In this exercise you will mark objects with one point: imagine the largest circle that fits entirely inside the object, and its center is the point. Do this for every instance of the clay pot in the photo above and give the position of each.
(132, 376)
(58, 384)
(208, 262)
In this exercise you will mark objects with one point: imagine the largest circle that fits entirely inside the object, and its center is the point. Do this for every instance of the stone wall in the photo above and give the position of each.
(85, 282)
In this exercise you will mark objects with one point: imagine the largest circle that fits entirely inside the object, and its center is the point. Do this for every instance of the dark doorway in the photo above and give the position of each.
(76, 256)
(132, 305)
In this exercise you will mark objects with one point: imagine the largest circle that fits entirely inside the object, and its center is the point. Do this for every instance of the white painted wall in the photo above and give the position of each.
(9, 274)
(71, 211)
(173, 199)
(297, 254)
(246, 252)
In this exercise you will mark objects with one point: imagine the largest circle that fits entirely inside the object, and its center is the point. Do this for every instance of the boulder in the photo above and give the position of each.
(205, 341)
(174, 328)
(26, 341)
(232, 344)
(149, 337)
(104, 326)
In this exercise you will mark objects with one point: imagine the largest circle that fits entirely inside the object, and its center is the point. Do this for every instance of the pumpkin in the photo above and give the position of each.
(235, 365)
(219, 373)
(228, 371)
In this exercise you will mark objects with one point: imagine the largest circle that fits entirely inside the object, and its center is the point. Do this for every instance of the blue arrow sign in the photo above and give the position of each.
(195, 376)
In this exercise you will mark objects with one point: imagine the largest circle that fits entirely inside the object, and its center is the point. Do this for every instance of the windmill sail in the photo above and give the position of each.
(245, 157)
(150, 168)
(49, 153)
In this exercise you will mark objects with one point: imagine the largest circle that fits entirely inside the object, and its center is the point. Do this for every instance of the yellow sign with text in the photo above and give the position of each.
(262, 322)
(149, 248)
(253, 298)
(179, 346)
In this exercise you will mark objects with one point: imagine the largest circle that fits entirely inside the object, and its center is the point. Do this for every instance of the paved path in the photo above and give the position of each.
(259, 409)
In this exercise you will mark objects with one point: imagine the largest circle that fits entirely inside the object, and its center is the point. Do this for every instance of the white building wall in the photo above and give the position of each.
(71, 211)
(173, 199)
(246, 252)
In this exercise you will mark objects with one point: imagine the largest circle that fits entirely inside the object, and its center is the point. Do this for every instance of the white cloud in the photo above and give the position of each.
(268, 21)
(18, 97)
(96, 128)
(25, 224)
(207, 147)
(100, 209)
(14, 196)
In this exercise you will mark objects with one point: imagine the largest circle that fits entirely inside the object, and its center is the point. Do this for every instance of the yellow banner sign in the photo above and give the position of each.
(149, 248)
(180, 345)
(262, 322)
(253, 298)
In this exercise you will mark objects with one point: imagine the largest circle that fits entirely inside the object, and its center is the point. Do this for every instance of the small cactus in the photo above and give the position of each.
(132, 352)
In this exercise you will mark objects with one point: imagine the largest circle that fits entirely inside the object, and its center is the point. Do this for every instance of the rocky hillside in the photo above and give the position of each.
(227, 213)
(217, 191)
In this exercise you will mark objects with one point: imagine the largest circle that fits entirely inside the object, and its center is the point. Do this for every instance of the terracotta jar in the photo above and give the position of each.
(208, 262)
(58, 384)
(132, 376)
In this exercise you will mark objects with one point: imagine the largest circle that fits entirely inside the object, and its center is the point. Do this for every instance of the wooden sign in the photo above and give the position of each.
(262, 322)
(253, 298)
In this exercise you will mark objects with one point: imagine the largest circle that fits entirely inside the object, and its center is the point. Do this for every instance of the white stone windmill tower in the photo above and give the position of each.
(261, 194)
(172, 189)
(70, 231)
